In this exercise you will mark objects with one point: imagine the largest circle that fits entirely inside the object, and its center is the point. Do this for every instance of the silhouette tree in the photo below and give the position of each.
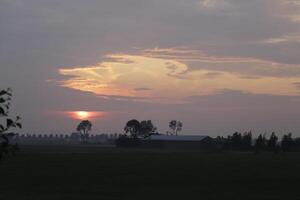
(175, 126)
(297, 144)
(247, 141)
(272, 142)
(147, 128)
(260, 143)
(227, 143)
(83, 128)
(5, 146)
(287, 142)
(236, 141)
(133, 127)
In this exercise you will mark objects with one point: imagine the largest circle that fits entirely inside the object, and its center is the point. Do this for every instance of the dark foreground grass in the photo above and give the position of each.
(91, 172)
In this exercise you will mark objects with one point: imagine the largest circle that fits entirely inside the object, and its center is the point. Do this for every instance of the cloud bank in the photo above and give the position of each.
(165, 75)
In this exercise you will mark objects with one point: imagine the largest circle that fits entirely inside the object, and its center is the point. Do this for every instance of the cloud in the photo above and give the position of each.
(172, 80)
(289, 38)
(213, 74)
(246, 67)
(297, 85)
(114, 78)
(142, 89)
(292, 8)
(214, 6)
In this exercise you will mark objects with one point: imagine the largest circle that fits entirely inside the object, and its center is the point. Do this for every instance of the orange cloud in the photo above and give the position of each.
(162, 75)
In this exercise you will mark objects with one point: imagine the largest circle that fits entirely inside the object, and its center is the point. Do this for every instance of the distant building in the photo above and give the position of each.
(169, 142)
(178, 138)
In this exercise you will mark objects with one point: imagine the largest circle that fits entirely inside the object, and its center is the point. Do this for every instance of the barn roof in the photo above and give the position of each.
(178, 138)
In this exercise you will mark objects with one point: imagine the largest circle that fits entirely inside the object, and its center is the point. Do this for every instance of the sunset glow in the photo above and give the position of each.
(85, 115)
(82, 114)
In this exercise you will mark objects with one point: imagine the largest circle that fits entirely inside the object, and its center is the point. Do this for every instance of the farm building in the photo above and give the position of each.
(169, 142)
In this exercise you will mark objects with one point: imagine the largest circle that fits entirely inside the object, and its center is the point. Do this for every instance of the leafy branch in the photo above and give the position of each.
(7, 122)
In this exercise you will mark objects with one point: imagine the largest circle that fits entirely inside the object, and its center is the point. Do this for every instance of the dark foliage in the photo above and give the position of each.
(147, 128)
(141, 129)
(287, 143)
(133, 127)
(175, 127)
(124, 141)
(273, 143)
(5, 135)
(245, 142)
(83, 128)
(236, 141)
(260, 143)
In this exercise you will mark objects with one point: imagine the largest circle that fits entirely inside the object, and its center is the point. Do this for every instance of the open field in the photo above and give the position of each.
(91, 172)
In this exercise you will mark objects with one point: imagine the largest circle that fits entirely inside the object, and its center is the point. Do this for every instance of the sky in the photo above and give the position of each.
(216, 65)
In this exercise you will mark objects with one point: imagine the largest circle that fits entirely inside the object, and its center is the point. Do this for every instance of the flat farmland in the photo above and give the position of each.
(96, 172)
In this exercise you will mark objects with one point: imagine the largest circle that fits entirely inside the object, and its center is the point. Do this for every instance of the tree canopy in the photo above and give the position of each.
(175, 126)
(133, 127)
(140, 129)
(84, 127)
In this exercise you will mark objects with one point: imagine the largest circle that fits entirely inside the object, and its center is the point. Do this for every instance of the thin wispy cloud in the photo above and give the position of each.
(291, 37)
(214, 6)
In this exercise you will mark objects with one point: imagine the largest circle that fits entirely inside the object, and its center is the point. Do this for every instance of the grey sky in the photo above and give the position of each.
(40, 37)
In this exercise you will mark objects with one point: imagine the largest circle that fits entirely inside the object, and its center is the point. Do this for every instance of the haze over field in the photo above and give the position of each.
(215, 65)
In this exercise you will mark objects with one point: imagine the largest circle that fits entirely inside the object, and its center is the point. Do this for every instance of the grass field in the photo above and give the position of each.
(91, 172)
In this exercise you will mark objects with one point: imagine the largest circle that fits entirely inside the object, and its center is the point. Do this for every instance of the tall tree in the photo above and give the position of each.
(5, 99)
(247, 141)
(133, 127)
(260, 143)
(272, 142)
(83, 128)
(236, 141)
(175, 126)
(147, 128)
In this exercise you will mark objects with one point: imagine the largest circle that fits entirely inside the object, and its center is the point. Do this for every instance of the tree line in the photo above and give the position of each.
(134, 128)
(246, 142)
(235, 142)
(145, 128)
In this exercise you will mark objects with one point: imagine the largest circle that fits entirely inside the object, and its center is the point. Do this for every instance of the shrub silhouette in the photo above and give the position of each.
(5, 135)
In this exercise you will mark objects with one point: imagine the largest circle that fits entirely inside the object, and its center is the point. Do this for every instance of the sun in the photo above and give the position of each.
(82, 114)
(85, 115)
